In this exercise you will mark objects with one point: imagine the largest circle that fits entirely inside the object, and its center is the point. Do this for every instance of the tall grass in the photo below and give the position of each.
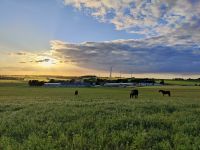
(99, 118)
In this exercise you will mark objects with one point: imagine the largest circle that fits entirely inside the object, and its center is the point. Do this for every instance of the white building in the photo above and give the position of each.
(118, 84)
(52, 85)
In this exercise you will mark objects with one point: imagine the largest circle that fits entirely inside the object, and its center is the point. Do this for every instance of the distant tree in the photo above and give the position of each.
(35, 83)
(179, 79)
(122, 80)
(72, 81)
(52, 81)
(91, 81)
(100, 81)
(162, 82)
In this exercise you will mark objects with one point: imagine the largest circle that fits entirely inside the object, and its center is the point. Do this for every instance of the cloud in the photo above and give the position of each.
(21, 53)
(147, 17)
(172, 43)
(22, 62)
(43, 60)
(174, 52)
(177, 52)
(17, 53)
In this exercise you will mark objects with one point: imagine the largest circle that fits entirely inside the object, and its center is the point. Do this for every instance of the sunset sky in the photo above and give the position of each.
(146, 38)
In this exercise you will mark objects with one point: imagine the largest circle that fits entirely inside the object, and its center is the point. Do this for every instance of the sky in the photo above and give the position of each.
(141, 38)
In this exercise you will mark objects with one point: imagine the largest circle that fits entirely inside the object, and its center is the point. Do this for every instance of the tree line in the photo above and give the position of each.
(35, 83)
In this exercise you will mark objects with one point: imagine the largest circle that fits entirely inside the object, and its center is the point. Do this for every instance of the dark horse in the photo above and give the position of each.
(76, 92)
(134, 93)
(165, 92)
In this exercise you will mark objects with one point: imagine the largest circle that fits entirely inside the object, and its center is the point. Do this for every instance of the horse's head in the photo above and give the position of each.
(160, 91)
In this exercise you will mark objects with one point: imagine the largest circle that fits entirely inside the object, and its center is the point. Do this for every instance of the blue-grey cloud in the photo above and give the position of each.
(177, 52)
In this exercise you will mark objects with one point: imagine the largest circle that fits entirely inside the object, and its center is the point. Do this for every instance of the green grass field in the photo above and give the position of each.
(184, 82)
(99, 118)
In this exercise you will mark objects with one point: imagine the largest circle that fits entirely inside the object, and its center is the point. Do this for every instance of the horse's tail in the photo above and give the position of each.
(169, 94)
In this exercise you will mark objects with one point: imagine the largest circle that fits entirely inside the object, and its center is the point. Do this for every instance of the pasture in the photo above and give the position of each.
(99, 118)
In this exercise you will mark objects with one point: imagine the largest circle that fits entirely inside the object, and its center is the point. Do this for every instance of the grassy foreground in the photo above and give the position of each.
(100, 118)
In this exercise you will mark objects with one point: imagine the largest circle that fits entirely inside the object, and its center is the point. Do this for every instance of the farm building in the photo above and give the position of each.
(130, 84)
(118, 84)
(52, 84)
(76, 84)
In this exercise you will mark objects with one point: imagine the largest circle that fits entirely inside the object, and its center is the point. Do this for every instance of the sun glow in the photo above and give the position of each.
(47, 64)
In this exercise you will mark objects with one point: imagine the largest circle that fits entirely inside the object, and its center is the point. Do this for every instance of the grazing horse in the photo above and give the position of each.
(76, 92)
(165, 92)
(134, 93)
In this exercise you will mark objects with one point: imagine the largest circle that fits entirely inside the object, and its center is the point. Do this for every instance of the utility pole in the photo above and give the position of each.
(110, 72)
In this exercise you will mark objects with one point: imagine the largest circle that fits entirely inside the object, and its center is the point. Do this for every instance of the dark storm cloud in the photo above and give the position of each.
(176, 54)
